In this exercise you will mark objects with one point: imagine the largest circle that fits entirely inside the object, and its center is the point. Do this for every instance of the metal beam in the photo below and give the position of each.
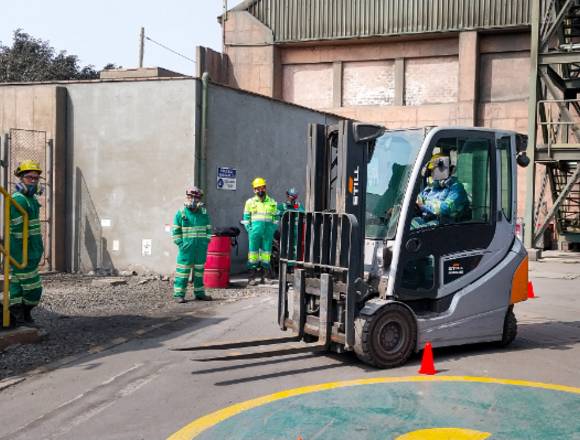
(532, 125)
(558, 57)
(564, 112)
(557, 154)
(571, 181)
(557, 22)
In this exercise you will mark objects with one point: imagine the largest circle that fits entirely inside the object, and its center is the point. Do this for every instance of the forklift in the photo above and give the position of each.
(365, 270)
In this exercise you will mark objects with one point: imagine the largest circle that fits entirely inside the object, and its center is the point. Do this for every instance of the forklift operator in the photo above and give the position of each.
(444, 200)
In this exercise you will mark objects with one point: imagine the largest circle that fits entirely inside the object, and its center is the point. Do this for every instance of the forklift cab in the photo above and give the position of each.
(466, 222)
(408, 237)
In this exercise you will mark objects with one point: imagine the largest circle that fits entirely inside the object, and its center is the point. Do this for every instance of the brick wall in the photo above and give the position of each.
(368, 83)
(431, 80)
(309, 85)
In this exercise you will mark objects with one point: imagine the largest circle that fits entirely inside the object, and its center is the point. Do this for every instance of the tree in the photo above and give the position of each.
(33, 59)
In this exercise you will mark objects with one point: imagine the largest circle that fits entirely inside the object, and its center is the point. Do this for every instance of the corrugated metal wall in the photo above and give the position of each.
(300, 20)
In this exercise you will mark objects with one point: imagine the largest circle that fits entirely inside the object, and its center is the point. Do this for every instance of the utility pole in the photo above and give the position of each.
(224, 19)
(141, 46)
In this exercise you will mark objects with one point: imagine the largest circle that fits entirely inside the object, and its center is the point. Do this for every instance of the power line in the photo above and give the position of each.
(170, 50)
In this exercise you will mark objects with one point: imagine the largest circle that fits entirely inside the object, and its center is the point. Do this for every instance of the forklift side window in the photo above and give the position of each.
(505, 169)
(463, 197)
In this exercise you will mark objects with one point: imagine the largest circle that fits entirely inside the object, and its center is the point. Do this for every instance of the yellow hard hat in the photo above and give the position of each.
(258, 182)
(27, 165)
(434, 160)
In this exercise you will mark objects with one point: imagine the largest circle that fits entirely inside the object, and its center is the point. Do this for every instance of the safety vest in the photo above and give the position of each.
(260, 211)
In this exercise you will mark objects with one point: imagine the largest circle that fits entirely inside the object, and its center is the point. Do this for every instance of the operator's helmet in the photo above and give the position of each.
(194, 192)
(258, 182)
(292, 193)
(27, 165)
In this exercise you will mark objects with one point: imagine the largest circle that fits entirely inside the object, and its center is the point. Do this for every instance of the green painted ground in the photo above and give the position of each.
(387, 411)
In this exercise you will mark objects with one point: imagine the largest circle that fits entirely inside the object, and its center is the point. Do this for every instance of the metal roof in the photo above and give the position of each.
(311, 20)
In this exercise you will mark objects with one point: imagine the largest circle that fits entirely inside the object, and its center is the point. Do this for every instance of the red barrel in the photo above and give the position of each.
(218, 263)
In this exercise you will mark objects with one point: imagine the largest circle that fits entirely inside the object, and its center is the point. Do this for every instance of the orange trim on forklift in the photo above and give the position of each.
(520, 282)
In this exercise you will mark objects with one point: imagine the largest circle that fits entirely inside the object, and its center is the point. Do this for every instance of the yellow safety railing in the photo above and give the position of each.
(5, 250)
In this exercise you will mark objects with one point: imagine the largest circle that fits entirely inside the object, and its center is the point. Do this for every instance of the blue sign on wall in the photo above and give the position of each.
(226, 178)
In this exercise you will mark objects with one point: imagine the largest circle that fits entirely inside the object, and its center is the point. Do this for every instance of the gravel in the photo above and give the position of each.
(80, 313)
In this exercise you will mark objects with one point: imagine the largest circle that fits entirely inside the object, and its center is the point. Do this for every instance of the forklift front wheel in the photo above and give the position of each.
(387, 338)
(510, 328)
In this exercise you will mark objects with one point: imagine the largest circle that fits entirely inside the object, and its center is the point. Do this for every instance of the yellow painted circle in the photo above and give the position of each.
(445, 434)
(203, 423)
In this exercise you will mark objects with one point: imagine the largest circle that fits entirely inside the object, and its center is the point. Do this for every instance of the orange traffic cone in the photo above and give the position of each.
(427, 365)
(531, 290)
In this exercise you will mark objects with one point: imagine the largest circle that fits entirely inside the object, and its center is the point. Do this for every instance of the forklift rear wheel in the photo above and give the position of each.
(387, 338)
(510, 328)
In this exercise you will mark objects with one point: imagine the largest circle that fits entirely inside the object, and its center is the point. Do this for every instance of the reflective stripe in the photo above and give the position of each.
(31, 286)
(17, 220)
(184, 266)
(26, 275)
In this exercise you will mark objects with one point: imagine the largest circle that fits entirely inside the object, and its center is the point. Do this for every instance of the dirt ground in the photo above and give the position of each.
(81, 313)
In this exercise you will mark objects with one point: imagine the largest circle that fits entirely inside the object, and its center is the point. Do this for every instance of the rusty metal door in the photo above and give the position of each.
(33, 145)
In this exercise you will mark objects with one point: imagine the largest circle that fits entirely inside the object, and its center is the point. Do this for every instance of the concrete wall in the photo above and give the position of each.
(131, 155)
(127, 152)
(258, 137)
(253, 58)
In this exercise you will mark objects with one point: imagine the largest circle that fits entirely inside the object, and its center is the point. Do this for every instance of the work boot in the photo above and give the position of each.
(27, 314)
(253, 278)
(179, 299)
(204, 298)
(262, 275)
(17, 315)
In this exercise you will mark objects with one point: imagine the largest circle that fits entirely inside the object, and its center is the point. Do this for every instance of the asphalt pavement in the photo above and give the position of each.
(144, 389)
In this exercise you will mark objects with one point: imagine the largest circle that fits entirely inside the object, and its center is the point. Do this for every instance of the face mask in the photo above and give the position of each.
(30, 189)
(261, 194)
(193, 204)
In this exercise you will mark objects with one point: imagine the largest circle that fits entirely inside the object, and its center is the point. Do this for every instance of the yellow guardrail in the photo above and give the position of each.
(5, 250)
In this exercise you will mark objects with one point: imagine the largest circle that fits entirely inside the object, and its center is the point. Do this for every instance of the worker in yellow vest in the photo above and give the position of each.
(261, 221)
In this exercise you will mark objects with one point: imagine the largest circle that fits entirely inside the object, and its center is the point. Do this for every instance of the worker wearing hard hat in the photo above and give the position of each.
(191, 233)
(444, 200)
(292, 204)
(261, 221)
(25, 286)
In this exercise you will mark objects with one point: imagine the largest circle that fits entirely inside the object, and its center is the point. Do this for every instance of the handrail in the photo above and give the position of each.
(5, 250)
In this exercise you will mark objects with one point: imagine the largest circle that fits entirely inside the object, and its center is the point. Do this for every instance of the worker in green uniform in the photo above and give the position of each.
(191, 233)
(292, 204)
(25, 286)
(261, 221)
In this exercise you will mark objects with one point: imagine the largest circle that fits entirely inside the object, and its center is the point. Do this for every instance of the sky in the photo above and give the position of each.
(107, 31)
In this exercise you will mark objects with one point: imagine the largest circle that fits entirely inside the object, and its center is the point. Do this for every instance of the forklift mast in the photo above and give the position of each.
(328, 240)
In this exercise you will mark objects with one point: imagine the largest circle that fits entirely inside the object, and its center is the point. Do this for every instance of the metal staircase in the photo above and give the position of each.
(555, 119)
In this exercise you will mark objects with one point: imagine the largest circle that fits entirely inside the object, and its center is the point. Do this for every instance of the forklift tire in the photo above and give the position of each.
(510, 328)
(387, 338)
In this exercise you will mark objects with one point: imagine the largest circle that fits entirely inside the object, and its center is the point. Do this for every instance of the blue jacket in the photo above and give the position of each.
(446, 199)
